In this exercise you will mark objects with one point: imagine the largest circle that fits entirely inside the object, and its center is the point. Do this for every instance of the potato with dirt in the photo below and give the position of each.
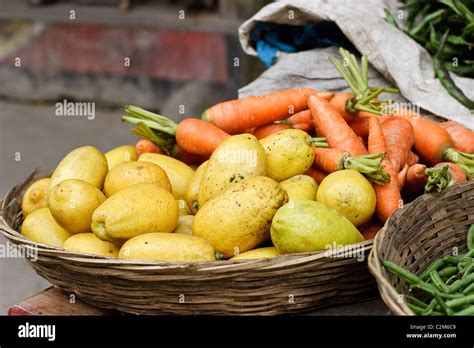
(237, 158)
(239, 219)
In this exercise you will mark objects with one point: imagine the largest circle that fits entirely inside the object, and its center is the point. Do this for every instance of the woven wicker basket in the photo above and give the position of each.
(428, 228)
(285, 284)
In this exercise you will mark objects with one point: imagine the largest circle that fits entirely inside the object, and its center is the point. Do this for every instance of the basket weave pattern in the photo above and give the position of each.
(285, 284)
(432, 226)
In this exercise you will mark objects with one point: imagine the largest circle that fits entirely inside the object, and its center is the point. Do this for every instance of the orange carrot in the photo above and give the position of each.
(412, 158)
(236, 116)
(305, 127)
(329, 160)
(372, 231)
(456, 174)
(187, 157)
(147, 146)
(199, 137)
(301, 120)
(402, 176)
(332, 125)
(443, 175)
(387, 195)
(431, 141)
(416, 180)
(399, 138)
(316, 174)
(268, 129)
(463, 138)
(339, 102)
(360, 124)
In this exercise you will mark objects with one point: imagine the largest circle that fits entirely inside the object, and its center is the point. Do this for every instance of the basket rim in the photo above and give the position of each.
(281, 260)
(388, 293)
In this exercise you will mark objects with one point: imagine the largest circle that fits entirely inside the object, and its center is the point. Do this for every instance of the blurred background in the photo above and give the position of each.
(175, 57)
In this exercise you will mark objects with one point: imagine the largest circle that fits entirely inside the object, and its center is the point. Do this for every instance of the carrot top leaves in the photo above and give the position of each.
(358, 80)
(148, 125)
(438, 179)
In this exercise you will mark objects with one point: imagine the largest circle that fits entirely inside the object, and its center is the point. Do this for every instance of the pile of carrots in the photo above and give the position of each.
(402, 153)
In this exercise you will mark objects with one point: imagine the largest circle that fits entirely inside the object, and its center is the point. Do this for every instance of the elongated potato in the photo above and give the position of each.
(139, 209)
(239, 219)
(235, 159)
(170, 247)
(40, 226)
(84, 163)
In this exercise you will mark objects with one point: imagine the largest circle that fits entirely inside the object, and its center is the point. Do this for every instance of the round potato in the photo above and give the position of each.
(131, 173)
(35, 197)
(72, 203)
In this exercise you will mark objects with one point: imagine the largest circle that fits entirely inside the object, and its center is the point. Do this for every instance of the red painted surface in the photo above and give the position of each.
(158, 53)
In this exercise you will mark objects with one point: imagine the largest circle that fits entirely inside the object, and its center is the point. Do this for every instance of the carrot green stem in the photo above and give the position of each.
(317, 142)
(438, 179)
(135, 114)
(148, 125)
(462, 159)
(358, 81)
(369, 165)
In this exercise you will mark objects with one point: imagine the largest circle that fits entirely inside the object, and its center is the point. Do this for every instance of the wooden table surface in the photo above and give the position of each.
(53, 301)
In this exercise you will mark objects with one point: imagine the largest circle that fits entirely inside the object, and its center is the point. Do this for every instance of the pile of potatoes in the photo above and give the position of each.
(155, 207)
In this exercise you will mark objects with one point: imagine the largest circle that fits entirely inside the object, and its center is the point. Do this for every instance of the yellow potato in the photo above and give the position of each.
(72, 203)
(139, 209)
(121, 154)
(185, 225)
(35, 197)
(235, 159)
(178, 172)
(192, 191)
(88, 243)
(300, 187)
(239, 219)
(40, 227)
(169, 247)
(131, 173)
(260, 253)
(84, 163)
(349, 193)
(289, 153)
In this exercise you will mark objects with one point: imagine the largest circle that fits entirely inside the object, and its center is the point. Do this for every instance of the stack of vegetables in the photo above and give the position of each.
(400, 152)
(446, 29)
(445, 287)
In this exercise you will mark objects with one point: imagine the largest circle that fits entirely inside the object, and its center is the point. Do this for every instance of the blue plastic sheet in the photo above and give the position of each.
(269, 38)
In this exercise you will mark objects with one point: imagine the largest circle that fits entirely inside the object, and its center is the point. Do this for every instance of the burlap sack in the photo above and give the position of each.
(396, 59)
